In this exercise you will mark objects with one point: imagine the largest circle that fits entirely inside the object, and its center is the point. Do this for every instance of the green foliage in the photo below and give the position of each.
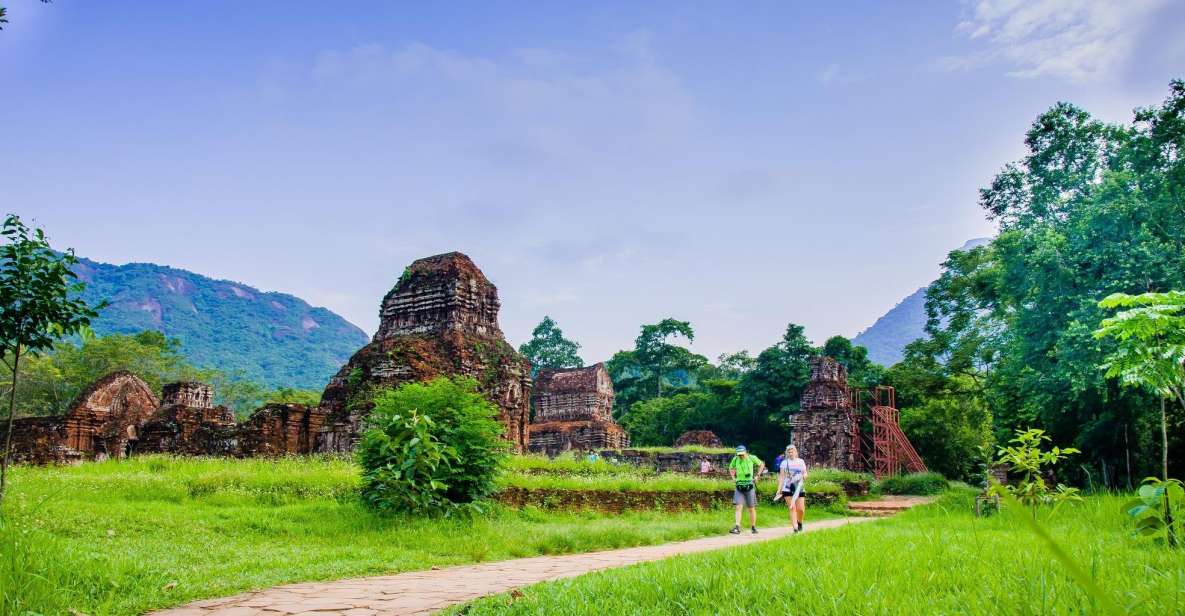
(919, 484)
(1025, 457)
(548, 348)
(122, 538)
(953, 435)
(430, 447)
(1150, 348)
(1157, 510)
(273, 339)
(862, 372)
(289, 395)
(1093, 209)
(36, 307)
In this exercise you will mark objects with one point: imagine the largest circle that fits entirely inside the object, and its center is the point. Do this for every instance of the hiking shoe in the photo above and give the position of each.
(800, 527)
(736, 530)
(753, 529)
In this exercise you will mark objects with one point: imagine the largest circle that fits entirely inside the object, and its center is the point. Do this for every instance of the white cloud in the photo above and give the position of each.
(1078, 40)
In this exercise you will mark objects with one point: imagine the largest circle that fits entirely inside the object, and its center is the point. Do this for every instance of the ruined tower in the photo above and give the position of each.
(441, 318)
(827, 428)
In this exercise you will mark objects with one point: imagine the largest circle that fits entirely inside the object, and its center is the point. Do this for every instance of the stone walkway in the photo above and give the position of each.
(424, 592)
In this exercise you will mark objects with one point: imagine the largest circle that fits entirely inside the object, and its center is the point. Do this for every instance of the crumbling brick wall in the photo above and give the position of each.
(101, 423)
(278, 429)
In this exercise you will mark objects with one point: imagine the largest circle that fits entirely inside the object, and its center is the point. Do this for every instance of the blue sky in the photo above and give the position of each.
(738, 166)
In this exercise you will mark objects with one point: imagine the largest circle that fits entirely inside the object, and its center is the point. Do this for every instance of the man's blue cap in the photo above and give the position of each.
(741, 449)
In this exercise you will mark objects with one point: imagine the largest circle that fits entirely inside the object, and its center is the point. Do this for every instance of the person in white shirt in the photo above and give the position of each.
(791, 478)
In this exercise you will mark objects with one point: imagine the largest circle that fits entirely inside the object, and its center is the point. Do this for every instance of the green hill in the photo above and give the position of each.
(270, 338)
(901, 325)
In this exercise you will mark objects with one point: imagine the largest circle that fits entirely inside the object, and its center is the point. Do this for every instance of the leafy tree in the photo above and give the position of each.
(1092, 209)
(775, 384)
(1150, 349)
(953, 435)
(548, 348)
(862, 371)
(289, 395)
(36, 307)
(430, 447)
(659, 421)
(655, 367)
(735, 365)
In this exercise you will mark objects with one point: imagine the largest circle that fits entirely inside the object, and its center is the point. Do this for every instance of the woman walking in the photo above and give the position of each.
(791, 477)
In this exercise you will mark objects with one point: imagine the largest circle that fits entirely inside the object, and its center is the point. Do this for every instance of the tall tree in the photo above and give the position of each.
(1150, 349)
(36, 307)
(1092, 209)
(658, 356)
(862, 371)
(548, 348)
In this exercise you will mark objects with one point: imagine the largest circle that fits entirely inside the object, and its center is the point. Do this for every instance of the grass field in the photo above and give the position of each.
(937, 559)
(125, 537)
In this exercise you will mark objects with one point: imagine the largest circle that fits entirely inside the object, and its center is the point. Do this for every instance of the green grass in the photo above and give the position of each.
(125, 537)
(835, 475)
(569, 465)
(937, 559)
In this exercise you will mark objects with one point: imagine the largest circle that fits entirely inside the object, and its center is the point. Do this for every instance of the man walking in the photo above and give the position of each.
(741, 469)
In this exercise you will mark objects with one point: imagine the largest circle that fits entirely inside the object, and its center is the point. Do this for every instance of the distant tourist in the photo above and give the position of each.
(592, 457)
(741, 470)
(791, 477)
(705, 467)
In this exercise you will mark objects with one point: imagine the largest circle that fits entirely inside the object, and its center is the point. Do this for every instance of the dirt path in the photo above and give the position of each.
(424, 592)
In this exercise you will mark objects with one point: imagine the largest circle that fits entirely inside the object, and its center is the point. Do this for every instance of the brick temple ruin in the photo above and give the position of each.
(441, 318)
(102, 421)
(574, 411)
(700, 438)
(829, 428)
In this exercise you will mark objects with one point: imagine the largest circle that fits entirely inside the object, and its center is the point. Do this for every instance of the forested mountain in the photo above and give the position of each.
(273, 339)
(901, 325)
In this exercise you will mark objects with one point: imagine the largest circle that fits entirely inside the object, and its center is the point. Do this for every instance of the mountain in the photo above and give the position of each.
(902, 324)
(271, 338)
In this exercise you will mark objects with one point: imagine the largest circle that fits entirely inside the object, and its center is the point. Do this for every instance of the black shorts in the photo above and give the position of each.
(790, 493)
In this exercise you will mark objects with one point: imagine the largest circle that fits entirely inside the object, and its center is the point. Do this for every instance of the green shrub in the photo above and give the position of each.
(836, 475)
(921, 484)
(430, 446)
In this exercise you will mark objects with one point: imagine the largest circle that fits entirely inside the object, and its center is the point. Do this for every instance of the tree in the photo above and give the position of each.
(1091, 210)
(655, 367)
(862, 372)
(656, 355)
(735, 365)
(548, 348)
(36, 307)
(775, 384)
(1150, 349)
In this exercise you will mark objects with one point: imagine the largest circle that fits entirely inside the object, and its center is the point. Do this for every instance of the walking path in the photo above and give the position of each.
(424, 592)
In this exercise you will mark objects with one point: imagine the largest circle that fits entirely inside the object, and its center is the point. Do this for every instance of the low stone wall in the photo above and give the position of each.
(615, 501)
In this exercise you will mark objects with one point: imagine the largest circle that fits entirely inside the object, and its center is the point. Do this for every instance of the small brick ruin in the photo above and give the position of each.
(574, 411)
(827, 428)
(102, 422)
(188, 423)
(440, 319)
(701, 438)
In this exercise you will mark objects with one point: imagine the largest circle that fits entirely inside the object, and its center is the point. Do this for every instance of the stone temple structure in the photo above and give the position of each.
(827, 428)
(574, 411)
(188, 423)
(441, 318)
(102, 422)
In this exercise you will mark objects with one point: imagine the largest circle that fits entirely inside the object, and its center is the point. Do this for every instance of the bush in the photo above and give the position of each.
(430, 447)
(920, 484)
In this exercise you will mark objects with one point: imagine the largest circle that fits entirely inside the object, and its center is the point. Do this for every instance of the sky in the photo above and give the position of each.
(740, 166)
